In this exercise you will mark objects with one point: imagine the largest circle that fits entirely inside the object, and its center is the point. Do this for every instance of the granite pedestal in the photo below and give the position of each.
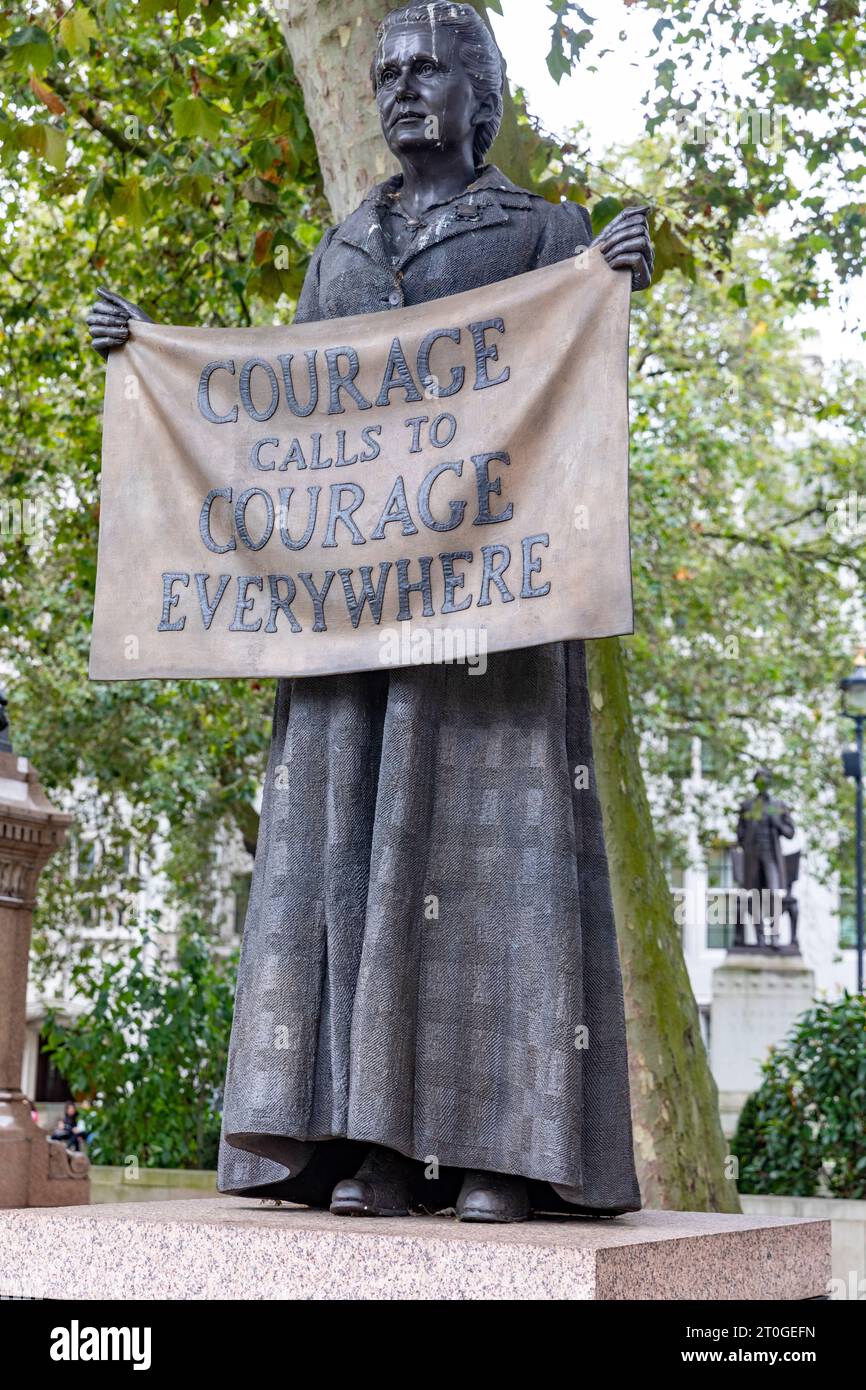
(230, 1248)
(757, 995)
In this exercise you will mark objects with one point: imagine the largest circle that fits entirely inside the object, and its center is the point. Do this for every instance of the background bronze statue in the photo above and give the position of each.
(762, 868)
(430, 923)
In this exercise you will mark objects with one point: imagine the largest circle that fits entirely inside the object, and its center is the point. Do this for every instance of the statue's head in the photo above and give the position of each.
(763, 779)
(439, 77)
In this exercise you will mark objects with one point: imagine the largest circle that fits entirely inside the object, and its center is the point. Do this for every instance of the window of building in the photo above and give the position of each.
(51, 1084)
(676, 875)
(83, 857)
(721, 902)
(713, 761)
(847, 918)
(680, 754)
(720, 867)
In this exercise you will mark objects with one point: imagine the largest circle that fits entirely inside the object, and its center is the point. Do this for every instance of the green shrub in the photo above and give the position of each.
(803, 1132)
(149, 1055)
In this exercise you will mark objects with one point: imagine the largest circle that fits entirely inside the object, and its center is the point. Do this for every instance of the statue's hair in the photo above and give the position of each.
(478, 49)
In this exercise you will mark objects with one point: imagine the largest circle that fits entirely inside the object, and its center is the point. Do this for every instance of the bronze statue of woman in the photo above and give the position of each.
(429, 1010)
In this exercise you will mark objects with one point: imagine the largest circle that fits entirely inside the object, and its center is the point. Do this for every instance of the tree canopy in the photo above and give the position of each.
(163, 148)
(769, 98)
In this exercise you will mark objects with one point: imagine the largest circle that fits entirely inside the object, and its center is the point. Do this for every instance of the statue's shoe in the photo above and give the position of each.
(380, 1187)
(492, 1197)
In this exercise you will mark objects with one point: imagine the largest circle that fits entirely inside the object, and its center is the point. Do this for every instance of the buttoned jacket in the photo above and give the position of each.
(490, 232)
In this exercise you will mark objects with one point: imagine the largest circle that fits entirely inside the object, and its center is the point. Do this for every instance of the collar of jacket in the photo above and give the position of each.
(483, 204)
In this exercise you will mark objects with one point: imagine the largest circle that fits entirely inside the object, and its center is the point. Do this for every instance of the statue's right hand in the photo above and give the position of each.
(108, 321)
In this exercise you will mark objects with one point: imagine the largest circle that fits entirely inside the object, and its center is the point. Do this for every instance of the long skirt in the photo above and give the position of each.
(429, 961)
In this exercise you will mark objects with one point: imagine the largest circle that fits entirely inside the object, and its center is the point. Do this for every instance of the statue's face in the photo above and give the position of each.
(423, 92)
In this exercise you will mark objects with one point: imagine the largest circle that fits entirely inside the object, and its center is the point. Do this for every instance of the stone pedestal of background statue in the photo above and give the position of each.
(34, 1171)
(756, 997)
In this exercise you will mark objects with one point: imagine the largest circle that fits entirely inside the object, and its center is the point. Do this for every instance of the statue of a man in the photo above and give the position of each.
(761, 827)
(429, 1008)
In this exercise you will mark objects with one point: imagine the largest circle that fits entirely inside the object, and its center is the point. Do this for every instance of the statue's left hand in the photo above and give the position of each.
(626, 245)
(108, 321)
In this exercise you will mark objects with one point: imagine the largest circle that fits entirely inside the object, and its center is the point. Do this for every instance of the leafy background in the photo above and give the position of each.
(162, 148)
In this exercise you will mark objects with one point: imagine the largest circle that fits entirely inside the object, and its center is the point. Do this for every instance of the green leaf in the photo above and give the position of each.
(671, 253)
(94, 187)
(557, 64)
(194, 117)
(129, 201)
(30, 47)
(31, 137)
(604, 211)
(77, 28)
(213, 12)
(540, 161)
(308, 235)
(258, 190)
(738, 294)
(55, 147)
(264, 153)
(665, 74)
(159, 164)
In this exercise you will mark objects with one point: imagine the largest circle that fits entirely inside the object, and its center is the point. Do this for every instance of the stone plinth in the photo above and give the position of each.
(847, 1217)
(231, 1248)
(33, 1171)
(756, 997)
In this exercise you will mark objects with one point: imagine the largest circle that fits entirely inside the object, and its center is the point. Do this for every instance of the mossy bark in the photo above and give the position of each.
(679, 1147)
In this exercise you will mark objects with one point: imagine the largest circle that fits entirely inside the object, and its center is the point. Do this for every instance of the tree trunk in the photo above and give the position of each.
(331, 43)
(679, 1146)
